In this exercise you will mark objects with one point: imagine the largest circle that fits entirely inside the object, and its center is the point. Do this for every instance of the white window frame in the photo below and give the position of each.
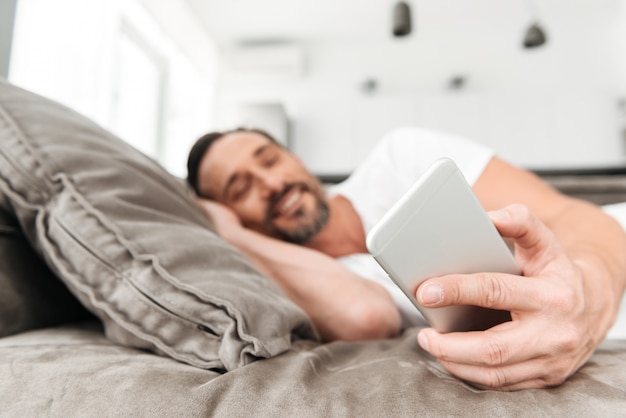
(129, 31)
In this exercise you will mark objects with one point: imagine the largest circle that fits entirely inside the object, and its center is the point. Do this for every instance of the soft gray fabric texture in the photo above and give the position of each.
(31, 296)
(75, 372)
(127, 239)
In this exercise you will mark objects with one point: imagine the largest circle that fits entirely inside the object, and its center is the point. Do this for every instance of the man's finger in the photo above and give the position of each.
(497, 359)
(535, 244)
(491, 348)
(489, 290)
(518, 222)
(528, 375)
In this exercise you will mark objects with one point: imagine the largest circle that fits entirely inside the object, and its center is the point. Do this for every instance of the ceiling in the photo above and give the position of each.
(252, 21)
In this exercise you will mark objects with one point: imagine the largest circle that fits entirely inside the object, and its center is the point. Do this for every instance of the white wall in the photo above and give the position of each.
(621, 33)
(7, 14)
(554, 106)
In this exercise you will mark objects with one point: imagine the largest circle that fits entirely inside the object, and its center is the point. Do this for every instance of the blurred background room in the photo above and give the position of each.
(543, 82)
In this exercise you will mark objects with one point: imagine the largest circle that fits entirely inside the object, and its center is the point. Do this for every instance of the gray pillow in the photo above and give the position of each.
(31, 296)
(129, 242)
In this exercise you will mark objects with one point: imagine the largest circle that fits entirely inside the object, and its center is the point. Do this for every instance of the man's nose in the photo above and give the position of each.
(271, 182)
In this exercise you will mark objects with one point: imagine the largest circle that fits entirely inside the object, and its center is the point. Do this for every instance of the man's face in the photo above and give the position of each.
(265, 185)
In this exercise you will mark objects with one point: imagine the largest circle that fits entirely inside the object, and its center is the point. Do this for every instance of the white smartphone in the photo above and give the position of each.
(439, 227)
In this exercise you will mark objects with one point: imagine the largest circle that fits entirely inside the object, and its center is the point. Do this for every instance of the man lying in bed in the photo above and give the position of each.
(311, 241)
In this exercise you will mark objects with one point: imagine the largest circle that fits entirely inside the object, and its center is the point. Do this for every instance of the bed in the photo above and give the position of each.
(117, 298)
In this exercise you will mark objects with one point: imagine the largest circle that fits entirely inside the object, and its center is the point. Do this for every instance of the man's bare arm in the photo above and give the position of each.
(341, 304)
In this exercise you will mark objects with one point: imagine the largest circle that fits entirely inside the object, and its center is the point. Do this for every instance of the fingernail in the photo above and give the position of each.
(498, 215)
(422, 340)
(431, 294)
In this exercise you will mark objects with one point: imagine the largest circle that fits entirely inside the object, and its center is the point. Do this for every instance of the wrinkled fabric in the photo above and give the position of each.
(75, 371)
(129, 242)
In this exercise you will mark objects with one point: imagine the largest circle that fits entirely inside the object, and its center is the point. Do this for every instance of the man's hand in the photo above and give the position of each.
(554, 327)
(223, 218)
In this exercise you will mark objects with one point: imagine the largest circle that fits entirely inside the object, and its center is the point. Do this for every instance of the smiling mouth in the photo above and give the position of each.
(293, 198)
(286, 202)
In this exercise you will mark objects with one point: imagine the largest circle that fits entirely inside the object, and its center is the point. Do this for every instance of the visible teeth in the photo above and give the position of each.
(290, 202)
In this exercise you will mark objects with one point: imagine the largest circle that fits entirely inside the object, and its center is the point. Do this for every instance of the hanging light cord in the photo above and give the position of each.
(532, 10)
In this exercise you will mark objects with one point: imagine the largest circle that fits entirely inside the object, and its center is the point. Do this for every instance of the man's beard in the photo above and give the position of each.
(304, 231)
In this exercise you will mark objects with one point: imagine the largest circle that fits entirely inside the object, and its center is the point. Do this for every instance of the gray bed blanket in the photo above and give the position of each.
(76, 371)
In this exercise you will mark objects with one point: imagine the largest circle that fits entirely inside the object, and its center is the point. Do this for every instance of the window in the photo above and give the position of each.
(113, 62)
(138, 93)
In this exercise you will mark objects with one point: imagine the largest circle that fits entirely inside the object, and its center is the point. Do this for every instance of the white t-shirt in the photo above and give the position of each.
(387, 173)
(392, 167)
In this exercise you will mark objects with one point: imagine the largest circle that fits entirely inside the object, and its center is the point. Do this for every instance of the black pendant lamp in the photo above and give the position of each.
(401, 19)
(535, 35)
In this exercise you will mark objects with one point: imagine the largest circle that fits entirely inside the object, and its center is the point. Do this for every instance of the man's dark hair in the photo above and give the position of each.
(201, 147)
